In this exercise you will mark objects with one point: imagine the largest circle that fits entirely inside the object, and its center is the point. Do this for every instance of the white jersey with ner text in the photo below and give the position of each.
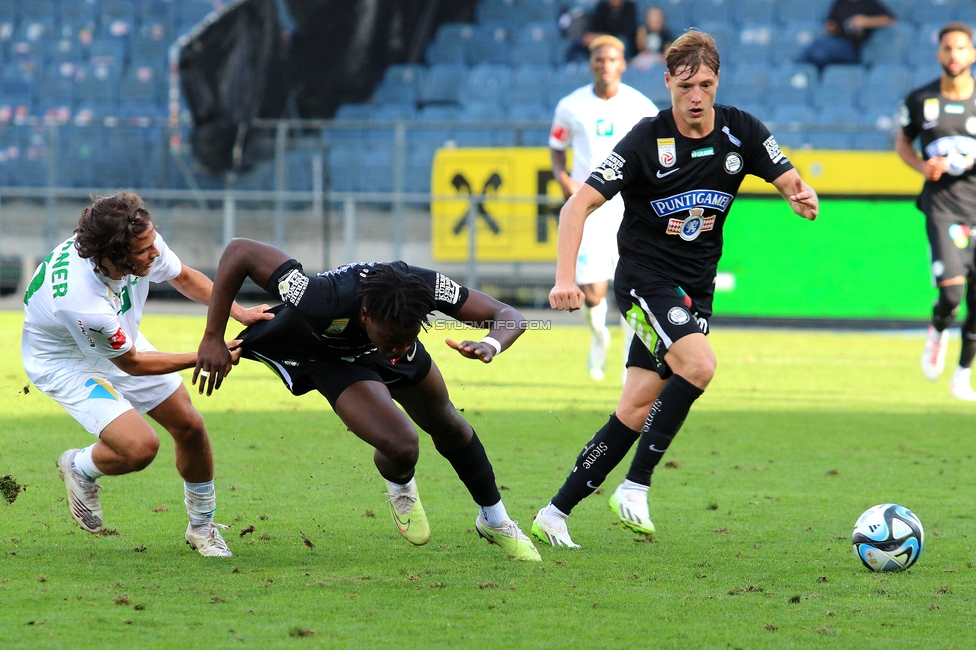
(593, 126)
(76, 319)
(678, 192)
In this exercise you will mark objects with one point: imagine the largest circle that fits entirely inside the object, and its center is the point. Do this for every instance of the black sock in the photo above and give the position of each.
(399, 480)
(968, 341)
(667, 415)
(474, 469)
(600, 455)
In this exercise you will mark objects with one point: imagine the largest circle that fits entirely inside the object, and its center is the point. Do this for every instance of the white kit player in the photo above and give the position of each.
(592, 120)
(82, 347)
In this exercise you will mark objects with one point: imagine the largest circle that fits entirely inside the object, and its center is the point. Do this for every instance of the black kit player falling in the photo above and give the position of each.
(679, 174)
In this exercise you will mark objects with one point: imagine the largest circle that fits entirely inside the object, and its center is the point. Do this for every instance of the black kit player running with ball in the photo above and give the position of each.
(351, 334)
(942, 115)
(678, 173)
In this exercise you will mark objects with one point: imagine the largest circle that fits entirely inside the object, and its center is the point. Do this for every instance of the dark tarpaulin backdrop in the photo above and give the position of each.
(245, 64)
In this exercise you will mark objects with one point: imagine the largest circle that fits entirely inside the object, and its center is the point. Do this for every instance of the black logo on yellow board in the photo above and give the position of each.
(460, 184)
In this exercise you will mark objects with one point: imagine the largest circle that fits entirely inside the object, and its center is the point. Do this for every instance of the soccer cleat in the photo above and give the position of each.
(596, 363)
(933, 356)
(408, 513)
(207, 540)
(552, 530)
(82, 494)
(510, 537)
(631, 507)
(960, 388)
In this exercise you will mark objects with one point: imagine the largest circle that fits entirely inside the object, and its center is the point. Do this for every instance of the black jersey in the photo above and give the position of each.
(329, 303)
(677, 191)
(943, 126)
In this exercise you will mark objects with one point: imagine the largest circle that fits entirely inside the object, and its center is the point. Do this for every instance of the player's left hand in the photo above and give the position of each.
(255, 314)
(215, 358)
(473, 349)
(805, 201)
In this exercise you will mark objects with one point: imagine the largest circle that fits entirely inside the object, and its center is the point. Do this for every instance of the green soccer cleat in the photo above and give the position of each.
(408, 513)
(510, 537)
(552, 530)
(631, 507)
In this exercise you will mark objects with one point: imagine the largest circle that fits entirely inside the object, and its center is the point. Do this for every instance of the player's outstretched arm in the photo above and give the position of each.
(565, 294)
(243, 258)
(152, 362)
(198, 287)
(481, 310)
(801, 197)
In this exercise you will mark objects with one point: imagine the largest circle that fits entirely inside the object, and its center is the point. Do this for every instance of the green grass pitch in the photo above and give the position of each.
(797, 435)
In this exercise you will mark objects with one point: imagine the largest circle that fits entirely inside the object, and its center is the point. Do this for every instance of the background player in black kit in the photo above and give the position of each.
(351, 334)
(942, 115)
(678, 173)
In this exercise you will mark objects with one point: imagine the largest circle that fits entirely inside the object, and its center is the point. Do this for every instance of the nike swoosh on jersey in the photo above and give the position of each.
(660, 175)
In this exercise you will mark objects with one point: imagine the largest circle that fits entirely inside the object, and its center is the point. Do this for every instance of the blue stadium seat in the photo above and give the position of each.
(792, 11)
(442, 83)
(355, 112)
(439, 113)
(874, 140)
(395, 112)
(966, 12)
(922, 50)
(845, 116)
(577, 74)
(831, 140)
(62, 50)
(532, 52)
(395, 92)
(793, 116)
(107, 52)
(753, 11)
(924, 76)
(143, 84)
(793, 139)
(838, 84)
(117, 18)
(440, 52)
(502, 11)
(538, 11)
(931, 11)
(792, 39)
(149, 51)
(888, 45)
(706, 11)
(420, 159)
(97, 85)
(486, 83)
(16, 100)
(433, 135)
(78, 151)
(895, 75)
(530, 84)
(725, 35)
(489, 44)
(755, 44)
(38, 11)
(344, 135)
(791, 84)
(537, 136)
(29, 159)
(646, 81)
(340, 163)
(77, 15)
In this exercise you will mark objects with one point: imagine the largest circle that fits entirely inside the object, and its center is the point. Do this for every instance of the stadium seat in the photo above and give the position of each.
(499, 11)
(645, 81)
(450, 44)
(489, 44)
(395, 112)
(143, 84)
(107, 52)
(924, 76)
(966, 12)
(117, 18)
(831, 140)
(755, 44)
(149, 51)
(530, 84)
(394, 92)
(791, 84)
(888, 45)
(532, 52)
(97, 85)
(838, 84)
(931, 11)
(844, 116)
(16, 100)
(340, 160)
(710, 11)
(29, 159)
(873, 140)
(793, 117)
(790, 40)
(792, 11)
(792, 139)
(442, 83)
(419, 163)
(538, 11)
(725, 35)
(753, 11)
(486, 83)
(922, 50)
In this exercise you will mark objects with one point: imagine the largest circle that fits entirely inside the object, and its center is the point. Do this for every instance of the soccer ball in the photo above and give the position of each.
(888, 537)
(958, 164)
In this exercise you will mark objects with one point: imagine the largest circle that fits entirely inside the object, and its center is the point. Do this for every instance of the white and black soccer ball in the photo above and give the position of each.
(888, 537)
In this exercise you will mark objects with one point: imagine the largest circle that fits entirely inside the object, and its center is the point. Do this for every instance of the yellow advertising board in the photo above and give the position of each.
(511, 226)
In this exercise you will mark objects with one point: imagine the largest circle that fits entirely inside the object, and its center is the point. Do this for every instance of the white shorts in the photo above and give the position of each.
(97, 396)
(598, 255)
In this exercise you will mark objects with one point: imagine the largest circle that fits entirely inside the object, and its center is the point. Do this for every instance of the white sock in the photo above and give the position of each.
(85, 465)
(630, 485)
(596, 317)
(494, 515)
(961, 375)
(399, 486)
(201, 502)
(552, 511)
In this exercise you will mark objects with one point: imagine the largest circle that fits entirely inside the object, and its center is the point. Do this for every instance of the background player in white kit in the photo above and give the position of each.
(592, 120)
(82, 347)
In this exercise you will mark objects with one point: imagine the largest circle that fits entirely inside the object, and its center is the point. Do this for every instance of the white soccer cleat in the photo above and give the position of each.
(960, 388)
(933, 356)
(596, 364)
(207, 540)
(631, 507)
(552, 530)
(82, 494)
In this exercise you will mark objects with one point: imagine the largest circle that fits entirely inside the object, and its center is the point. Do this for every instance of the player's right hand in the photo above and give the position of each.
(214, 362)
(567, 297)
(935, 167)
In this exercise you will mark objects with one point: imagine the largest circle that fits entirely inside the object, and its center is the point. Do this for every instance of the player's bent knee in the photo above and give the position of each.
(141, 452)
(401, 448)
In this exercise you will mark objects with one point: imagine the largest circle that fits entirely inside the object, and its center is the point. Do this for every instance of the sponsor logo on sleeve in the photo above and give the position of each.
(560, 133)
(292, 287)
(678, 315)
(446, 290)
(667, 152)
(734, 140)
(117, 340)
(733, 163)
(773, 150)
(610, 169)
(84, 333)
(337, 326)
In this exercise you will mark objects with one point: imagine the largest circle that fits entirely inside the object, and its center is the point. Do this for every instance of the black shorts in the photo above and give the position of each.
(952, 247)
(287, 345)
(660, 313)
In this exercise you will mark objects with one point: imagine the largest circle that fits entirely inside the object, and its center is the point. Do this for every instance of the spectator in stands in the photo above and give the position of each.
(653, 39)
(614, 17)
(849, 24)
